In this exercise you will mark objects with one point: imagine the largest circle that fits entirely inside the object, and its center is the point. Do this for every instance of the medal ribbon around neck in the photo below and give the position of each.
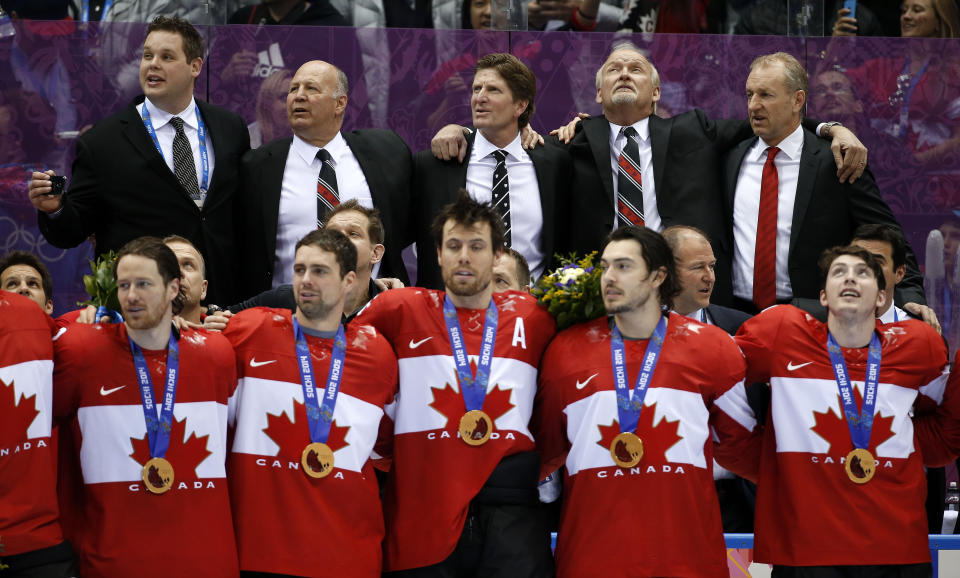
(472, 388)
(320, 414)
(201, 136)
(860, 425)
(158, 426)
(629, 404)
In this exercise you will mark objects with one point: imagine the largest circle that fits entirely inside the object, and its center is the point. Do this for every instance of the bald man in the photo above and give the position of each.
(292, 184)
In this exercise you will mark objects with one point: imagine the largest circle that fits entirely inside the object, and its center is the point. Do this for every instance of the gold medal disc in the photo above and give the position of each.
(317, 460)
(860, 465)
(626, 450)
(475, 427)
(158, 475)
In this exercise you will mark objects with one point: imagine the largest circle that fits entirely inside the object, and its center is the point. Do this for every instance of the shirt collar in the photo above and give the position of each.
(482, 147)
(308, 152)
(791, 146)
(894, 314)
(158, 117)
(642, 127)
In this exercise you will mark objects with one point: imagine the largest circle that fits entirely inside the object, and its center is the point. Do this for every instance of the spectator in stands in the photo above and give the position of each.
(271, 123)
(282, 200)
(511, 272)
(127, 180)
(918, 19)
(22, 272)
(290, 12)
(528, 188)
(675, 16)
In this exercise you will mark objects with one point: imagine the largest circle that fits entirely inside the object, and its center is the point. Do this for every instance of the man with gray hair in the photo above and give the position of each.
(291, 185)
(787, 204)
(657, 171)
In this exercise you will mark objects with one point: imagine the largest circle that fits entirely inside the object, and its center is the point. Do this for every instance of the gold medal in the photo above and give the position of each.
(158, 475)
(626, 450)
(317, 460)
(860, 465)
(475, 427)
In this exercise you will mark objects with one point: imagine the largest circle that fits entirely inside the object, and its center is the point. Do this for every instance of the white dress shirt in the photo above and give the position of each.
(894, 314)
(651, 216)
(746, 211)
(526, 213)
(165, 132)
(298, 197)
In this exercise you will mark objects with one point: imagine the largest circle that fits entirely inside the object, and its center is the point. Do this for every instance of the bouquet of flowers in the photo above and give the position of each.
(571, 293)
(102, 287)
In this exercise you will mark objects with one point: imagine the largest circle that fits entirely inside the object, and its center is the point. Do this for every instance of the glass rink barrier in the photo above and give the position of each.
(59, 78)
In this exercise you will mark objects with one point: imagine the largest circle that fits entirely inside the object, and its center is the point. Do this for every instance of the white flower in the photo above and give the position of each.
(571, 274)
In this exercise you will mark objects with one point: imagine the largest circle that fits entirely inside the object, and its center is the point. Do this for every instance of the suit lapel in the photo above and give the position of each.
(810, 158)
(136, 135)
(270, 183)
(546, 184)
(734, 161)
(597, 132)
(376, 180)
(214, 129)
(659, 139)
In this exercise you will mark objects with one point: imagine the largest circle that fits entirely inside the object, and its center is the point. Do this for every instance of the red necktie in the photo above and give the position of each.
(765, 256)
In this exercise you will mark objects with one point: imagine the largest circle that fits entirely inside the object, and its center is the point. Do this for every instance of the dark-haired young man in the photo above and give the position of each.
(462, 494)
(166, 164)
(24, 273)
(528, 189)
(148, 407)
(851, 424)
(311, 400)
(638, 496)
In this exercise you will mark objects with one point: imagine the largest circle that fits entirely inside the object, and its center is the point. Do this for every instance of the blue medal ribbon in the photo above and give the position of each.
(158, 426)
(320, 413)
(85, 10)
(201, 136)
(104, 311)
(860, 424)
(472, 388)
(629, 404)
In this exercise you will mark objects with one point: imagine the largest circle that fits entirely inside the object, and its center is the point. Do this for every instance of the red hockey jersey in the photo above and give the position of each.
(286, 521)
(435, 474)
(127, 531)
(660, 517)
(28, 471)
(809, 513)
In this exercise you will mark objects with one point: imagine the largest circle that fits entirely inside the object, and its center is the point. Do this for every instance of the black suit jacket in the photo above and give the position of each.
(122, 189)
(437, 183)
(726, 318)
(385, 161)
(825, 214)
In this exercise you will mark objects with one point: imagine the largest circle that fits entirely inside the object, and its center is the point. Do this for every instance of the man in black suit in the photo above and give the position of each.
(167, 164)
(679, 159)
(528, 188)
(283, 181)
(809, 208)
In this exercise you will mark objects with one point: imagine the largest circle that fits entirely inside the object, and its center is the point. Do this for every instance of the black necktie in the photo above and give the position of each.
(183, 166)
(629, 186)
(328, 198)
(501, 192)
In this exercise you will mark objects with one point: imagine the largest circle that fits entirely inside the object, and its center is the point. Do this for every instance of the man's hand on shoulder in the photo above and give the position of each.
(848, 152)
(530, 138)
(449, 143)
(565, 133)
(41, 192)
(925, 314)
(217, 321)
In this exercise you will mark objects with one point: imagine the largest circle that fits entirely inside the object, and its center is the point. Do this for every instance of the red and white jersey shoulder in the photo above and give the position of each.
(695, 397)
(435, 473)
(96, 387)
(807, 440)
(275, 502)
(28, 475)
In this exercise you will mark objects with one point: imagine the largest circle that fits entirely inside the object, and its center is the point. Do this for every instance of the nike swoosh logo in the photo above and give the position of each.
(104, 391)
(255, 363)
(583, 384)
(792, 367)
(416, 344)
